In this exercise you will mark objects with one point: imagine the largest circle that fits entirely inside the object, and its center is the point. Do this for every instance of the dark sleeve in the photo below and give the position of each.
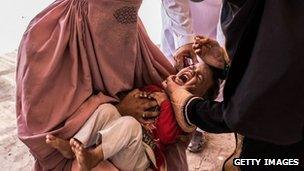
(205, 114)
(166, 125)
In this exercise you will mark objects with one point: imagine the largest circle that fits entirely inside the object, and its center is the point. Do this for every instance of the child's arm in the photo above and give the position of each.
(166, 125)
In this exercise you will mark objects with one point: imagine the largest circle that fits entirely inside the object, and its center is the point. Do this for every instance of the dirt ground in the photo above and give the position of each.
(14, 155)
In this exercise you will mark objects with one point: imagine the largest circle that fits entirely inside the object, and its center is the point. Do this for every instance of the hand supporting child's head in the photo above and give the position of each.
(210, 52)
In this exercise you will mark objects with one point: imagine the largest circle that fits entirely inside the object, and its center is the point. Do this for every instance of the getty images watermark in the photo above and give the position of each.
(265, 162)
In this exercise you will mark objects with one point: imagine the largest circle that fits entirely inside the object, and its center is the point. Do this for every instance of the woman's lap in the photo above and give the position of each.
(104, 165)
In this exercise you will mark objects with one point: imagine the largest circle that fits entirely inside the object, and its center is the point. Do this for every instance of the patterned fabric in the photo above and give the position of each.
(148, 139)
(162, 133)
(126, 15)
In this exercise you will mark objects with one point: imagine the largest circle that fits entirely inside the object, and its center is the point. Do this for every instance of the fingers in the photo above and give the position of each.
(170, 84)
(195, 60)
(155, 95)
(196, 45)
(149, 104)
(179, 65)
(179, 62)
(50, 137)
(137, 95)
(145, 95)
(201, 40)
(148, 117)
(199, 47)
(170, 79)
(198, 52)
(142, 94)
(199, 37)
(151, 114)
(213, 42)
(190, 87)
(135, 92)
(160, 97)
(193, 57)
(183, 53)
(204, 42)
(183, 50)
(146, 121)
(164, 84)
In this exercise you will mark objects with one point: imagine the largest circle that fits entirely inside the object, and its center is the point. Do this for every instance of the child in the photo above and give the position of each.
(112, 136)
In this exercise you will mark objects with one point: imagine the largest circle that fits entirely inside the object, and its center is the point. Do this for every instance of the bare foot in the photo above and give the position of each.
(87, 159)
(63, 146)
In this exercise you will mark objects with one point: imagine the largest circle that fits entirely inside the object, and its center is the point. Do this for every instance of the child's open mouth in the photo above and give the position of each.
(183, 78)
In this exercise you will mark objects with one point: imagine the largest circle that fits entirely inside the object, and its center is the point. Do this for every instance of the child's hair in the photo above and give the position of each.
(213, 91)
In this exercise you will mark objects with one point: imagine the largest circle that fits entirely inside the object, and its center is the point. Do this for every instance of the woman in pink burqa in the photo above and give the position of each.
(75, 56)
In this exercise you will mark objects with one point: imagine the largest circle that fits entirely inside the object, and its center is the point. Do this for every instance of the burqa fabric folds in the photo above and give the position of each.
(74, 56)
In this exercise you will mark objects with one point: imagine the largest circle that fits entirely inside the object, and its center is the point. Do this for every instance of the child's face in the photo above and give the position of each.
(199, 76)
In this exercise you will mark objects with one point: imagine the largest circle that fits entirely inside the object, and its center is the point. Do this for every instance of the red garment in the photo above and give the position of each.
(165, 129)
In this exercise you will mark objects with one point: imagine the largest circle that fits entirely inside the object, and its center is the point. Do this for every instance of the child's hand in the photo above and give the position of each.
(159, 97)
(210, 52)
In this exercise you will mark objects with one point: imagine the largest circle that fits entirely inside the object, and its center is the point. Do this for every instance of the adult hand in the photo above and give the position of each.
(170, 86)
(210, 52)
(160, 97)
(134, 105)
(179, 97)
(182, 55)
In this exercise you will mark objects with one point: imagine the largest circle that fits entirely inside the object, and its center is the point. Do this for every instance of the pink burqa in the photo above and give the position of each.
(74, 56)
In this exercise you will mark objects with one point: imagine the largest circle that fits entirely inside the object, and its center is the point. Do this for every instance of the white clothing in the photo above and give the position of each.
(182, 19)
(120, 137)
